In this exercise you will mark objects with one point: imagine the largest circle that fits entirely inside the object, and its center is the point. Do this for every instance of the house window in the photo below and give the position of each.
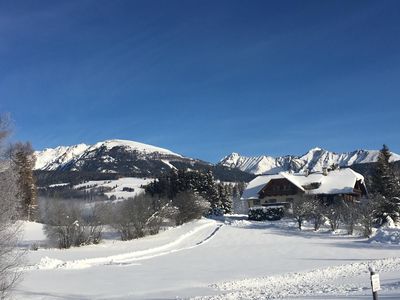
(256, 202)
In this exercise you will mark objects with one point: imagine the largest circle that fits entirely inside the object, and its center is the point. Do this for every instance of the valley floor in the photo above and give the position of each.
(209, 259)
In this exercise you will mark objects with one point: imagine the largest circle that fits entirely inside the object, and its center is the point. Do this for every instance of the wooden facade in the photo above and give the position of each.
(279, 187)
(281, 191)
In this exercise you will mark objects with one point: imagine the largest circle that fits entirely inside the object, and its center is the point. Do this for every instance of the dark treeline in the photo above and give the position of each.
(45, 178)
(66, 192)
(219, 194)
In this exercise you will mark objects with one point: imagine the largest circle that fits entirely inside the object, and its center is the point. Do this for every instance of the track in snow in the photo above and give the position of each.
(184, 242)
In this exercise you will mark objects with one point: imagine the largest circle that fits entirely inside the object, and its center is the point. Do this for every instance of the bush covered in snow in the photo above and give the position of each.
(272, 213)
(387, 235)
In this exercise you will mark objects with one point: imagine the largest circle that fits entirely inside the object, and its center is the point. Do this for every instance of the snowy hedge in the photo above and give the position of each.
(261, 213)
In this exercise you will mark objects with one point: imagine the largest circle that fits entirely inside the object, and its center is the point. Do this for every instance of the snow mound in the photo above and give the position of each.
(47, 263)
(240, 223)
(387, 236)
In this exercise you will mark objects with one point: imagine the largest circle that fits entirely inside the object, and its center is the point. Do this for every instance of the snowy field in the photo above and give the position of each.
(118, 186)
(210, 259)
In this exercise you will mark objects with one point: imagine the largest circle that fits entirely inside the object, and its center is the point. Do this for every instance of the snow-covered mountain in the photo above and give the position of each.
(107, 156)
(121, 157)
(314, 160)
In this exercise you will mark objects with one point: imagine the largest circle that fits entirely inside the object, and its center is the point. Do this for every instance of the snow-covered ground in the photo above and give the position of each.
(210, 259)
(118, 186)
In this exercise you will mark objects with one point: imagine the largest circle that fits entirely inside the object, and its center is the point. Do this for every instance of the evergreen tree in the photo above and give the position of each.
(384, 180)
(386, 188)
(225, 198)
(24, 161)
(210, 193)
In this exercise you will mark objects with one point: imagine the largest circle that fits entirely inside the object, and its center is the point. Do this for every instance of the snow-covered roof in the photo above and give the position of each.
(340, 181)
(254, 186)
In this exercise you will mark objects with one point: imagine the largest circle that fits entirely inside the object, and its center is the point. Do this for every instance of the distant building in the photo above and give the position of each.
(283, 188)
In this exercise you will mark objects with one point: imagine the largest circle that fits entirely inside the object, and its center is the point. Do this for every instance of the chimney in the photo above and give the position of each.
(325, 171)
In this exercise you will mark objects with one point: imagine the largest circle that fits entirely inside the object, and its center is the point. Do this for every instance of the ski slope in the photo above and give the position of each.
(210, 259)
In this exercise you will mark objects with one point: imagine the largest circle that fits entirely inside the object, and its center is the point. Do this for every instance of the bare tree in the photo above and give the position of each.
(316, 211)
(166, 213)
(301, 209)
(132, 217)
(10, 258)
(5, 127)
(70, 223)
(190, 207)
(368, 215)
(350, 215)
(94, 220)
(62, 223)
(333, 213)
(144, 214)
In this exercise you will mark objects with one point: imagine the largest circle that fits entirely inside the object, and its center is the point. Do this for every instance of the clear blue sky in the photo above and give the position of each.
(203, 78)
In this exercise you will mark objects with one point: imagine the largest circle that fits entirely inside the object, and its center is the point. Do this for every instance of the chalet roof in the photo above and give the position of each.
(340, 181)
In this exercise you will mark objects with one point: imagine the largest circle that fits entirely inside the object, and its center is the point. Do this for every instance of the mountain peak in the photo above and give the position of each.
(133, 145)
(63, 156)
(315, 149)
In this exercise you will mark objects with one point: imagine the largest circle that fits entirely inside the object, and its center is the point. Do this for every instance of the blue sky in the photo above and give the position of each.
(203, 78)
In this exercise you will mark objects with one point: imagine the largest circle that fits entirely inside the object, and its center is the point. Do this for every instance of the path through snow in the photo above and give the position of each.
(189, 240)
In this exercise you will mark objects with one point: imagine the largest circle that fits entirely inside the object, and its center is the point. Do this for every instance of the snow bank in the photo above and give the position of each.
(386, 236)
(314, 282)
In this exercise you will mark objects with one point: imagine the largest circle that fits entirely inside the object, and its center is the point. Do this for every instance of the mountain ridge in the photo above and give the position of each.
(313, 160)
(138, 159)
